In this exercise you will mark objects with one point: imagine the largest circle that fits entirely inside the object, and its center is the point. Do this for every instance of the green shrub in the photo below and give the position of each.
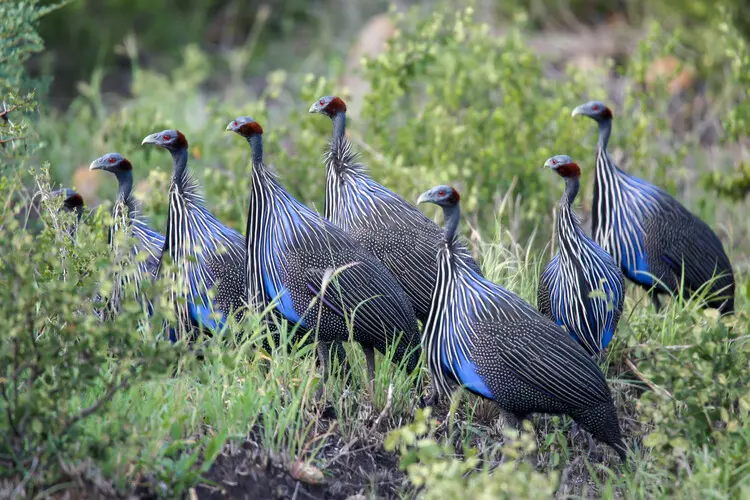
(434, 468)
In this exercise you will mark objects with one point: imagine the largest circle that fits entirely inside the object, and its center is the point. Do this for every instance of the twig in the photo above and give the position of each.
(4, 113)
(19, 489)
(5, 141)
(96, 406)
(296, 491)
(380, 157)
(646, 381)
(386, 408)
(681, 347)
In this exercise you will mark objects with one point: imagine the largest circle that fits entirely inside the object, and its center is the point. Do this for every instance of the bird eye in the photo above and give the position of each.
(441, 193)
(234, 123)
(111, 160)
(595, 107)
(322, 102)
(166, 137)
(554, 162)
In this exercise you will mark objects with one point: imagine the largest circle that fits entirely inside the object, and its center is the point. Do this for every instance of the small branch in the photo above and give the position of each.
(20, 487)
(4, 113)
(646, 381)
(8, 411)
(113, 388)
(5, 141)
(682, 347)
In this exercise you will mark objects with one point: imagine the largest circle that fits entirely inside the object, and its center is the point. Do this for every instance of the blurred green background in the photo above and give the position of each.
(478, 99)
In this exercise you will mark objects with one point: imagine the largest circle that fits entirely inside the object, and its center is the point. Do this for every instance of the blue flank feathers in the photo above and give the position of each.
(467, 374)
(203, 316)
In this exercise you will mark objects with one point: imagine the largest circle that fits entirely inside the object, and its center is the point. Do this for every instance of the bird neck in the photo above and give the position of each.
(179, 158)
(572, 186)
(451, 214)
(605, 129)
(256, 145)
(125, 181)
(565, 219)
(339, 126)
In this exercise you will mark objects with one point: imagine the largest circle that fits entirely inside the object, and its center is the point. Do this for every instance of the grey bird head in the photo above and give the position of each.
(72, 201)
(444, 196)
(596, 110)
(171, 140)
(245, 126)
(563, 165)
(111, 162)
(328, 105)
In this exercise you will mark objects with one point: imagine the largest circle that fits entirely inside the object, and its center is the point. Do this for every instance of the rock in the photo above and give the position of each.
(86, 183)
(306, 473)
(680, 76)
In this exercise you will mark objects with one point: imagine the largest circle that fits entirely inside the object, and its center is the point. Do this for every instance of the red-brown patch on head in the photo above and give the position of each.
(607, 113)
(181, 141)
(569, 170)
(455, 197)
(250, 128)
(336, 105)
(125, 164)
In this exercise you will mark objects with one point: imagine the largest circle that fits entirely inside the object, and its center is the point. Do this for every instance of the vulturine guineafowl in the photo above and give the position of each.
(72, 201)
(316, 275)
(582, 288)
(496, 345)
(206, 255)
(387, 225)
(128, 221)
(656, 241)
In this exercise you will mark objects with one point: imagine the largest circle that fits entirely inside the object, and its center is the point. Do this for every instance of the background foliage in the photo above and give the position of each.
(474, 97)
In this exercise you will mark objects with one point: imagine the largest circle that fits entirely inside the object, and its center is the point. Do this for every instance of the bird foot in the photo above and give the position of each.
(321, 396)
(430, 400)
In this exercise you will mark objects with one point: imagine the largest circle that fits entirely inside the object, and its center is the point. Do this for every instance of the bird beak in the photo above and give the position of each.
(548, 164)
(150, 139)
(230, 128)
(578, 111)
(314, 107)
(424, 197)
(95, 165)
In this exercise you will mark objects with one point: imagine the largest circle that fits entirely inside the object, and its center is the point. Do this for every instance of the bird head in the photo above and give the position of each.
(444, 196)
(71, 200)
(328, 105)
(112, 162)
(171, 140)
(245, 126)
(564, 166)
(596, 110)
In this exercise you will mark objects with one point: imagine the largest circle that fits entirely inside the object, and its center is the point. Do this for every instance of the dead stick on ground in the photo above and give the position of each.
(646, 381)
(386, 408)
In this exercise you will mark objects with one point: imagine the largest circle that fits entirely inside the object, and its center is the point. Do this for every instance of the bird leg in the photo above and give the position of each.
(323, 350)
(370, 357)
(575, 429)
(655, 301)
(431, 399)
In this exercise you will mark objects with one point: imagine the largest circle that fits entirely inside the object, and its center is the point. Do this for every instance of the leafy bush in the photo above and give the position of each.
(433, 466)
(60, 364)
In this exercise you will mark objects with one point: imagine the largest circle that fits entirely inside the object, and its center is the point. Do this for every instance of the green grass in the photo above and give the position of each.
(239, 393)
